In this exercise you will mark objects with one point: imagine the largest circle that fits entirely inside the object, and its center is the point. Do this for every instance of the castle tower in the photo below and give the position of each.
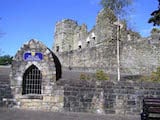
(80, 35)
(63, 36)
(104, 28)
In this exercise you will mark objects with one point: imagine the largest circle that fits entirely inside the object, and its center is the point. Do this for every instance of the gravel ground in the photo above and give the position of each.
(16, 114)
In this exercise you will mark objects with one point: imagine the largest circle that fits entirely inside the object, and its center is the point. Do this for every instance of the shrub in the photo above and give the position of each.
(155, 76)
(100, 75)
(145, 78)
(83, 76)
(5, 60)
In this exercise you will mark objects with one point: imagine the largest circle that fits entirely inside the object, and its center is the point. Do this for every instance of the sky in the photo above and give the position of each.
(22, 20)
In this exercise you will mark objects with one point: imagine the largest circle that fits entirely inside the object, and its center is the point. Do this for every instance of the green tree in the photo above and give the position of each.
(5, 60)
(155, 30)
(117, 6)
(119, 9)
(155, 19)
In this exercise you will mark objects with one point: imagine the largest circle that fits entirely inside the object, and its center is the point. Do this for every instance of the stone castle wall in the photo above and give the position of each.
(135, 58)
(69, 35)
(5, 92)
(107, 97)
(140, 58)
(90, 59)
(101, 97)
(97, 49)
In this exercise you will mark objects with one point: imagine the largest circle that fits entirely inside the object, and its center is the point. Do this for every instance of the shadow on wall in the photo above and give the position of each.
(57, 65)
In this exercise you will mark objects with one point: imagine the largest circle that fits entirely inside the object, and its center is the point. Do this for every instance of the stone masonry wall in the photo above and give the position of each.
(90, 59)
(5, 91)
(139, 58)
(107, 97)
(52, 102)
(24, 87)
(99, 47)
(102, 97)
(136, 58)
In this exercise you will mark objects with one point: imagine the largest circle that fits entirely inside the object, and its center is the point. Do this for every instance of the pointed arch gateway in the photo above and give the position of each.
(34, 72)
(32, 81)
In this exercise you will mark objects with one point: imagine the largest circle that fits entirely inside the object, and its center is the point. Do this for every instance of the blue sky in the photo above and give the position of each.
(23, 20)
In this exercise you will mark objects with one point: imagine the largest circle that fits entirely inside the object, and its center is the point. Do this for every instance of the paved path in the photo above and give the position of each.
(15, 114)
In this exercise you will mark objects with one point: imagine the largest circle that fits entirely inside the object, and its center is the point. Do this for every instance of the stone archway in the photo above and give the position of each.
(35, 70)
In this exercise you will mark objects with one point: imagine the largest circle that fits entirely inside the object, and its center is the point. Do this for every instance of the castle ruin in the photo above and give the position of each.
(36, 69)
(79, 49)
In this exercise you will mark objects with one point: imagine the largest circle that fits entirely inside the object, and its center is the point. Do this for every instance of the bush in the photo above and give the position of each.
(145, 78)
(5, 60)
(100, 75)
(84, 76)
(155, 76)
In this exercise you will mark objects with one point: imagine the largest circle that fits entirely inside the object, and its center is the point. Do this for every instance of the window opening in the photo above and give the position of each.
(88, 42)
(93, 36)
(57, 48)
(80, 46)
(32, 80)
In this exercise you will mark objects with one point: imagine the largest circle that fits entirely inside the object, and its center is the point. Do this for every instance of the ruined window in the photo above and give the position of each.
(57, 48)
(129, 37)
(80, 46)
(32, 80)
(88, 42)
(93, 36)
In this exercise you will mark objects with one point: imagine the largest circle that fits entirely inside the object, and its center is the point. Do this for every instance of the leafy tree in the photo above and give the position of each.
(117, 6)
(155, 19)
(5, 60)
(155, 30)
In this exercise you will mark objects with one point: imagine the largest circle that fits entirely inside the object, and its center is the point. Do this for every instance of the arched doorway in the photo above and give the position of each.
(32, 81)
(34, 72)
